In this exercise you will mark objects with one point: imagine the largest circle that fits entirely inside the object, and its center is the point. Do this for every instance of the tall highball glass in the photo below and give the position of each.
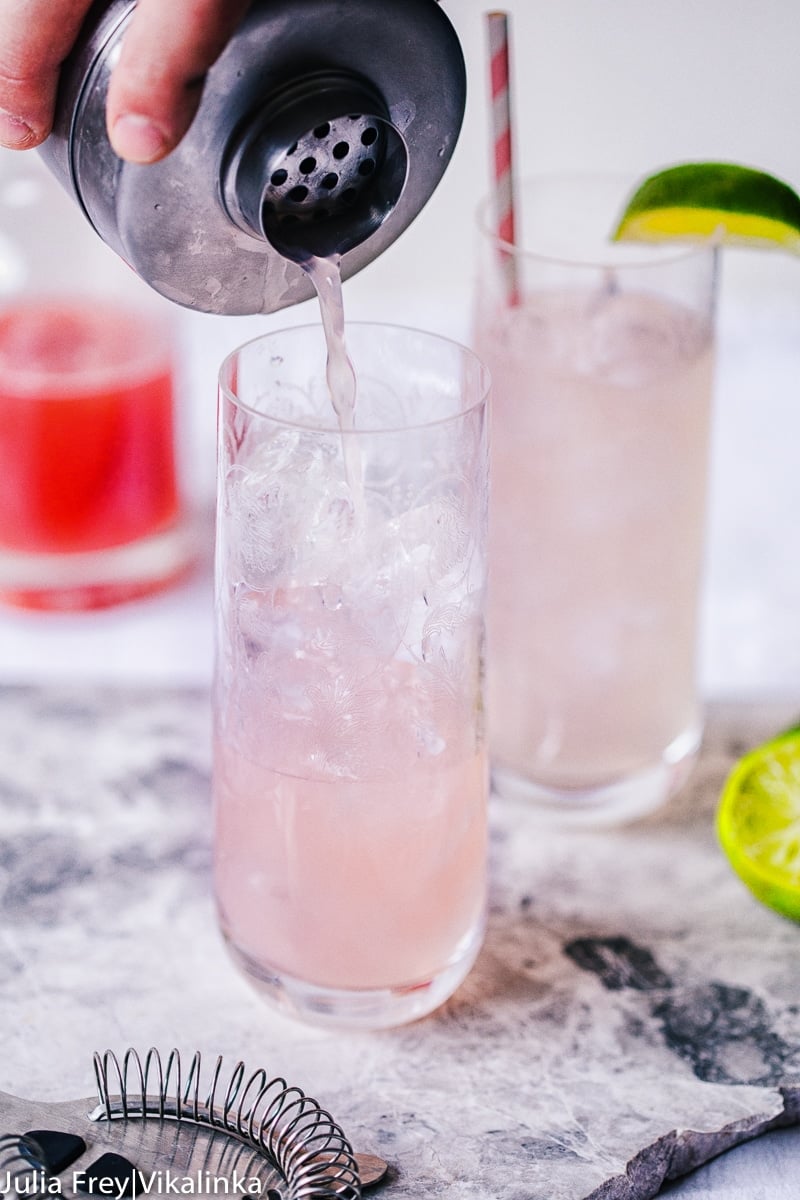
(350, 776)
(601, 358)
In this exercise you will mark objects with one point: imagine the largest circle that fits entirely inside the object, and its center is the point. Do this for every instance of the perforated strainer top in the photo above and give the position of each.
(320, 168)
(325, 171)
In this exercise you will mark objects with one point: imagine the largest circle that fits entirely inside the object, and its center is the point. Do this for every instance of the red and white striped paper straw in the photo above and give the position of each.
(497, 32)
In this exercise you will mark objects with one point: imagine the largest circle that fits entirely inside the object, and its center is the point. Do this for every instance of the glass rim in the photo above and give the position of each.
(359, 431)
(664, 256)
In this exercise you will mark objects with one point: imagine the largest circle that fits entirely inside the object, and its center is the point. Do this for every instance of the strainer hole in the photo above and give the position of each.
(369, 136)
(278, 178)
(329, 182)
(322, 131)
(298, 193)
(341, 150)
(292, 148)
(307, 165)
(366, 167)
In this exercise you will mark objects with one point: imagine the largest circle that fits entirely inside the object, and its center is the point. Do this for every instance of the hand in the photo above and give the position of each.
(154, 90)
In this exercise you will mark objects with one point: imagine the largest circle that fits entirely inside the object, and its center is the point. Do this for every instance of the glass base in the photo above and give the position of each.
(612, 803)
(358, 1009)
(99, 578)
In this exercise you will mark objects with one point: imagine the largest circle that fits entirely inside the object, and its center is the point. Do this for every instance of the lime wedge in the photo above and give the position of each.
(697, 200)
(758, 822)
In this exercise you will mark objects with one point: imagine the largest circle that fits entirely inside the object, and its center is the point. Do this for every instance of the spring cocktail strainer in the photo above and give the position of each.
(154, 1128)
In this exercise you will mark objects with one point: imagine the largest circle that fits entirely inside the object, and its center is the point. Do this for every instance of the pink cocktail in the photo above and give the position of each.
(602, 378)
(350, 773)
(372, 875)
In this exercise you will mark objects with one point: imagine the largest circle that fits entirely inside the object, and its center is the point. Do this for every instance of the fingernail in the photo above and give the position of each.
(15, 133)
(137, 138)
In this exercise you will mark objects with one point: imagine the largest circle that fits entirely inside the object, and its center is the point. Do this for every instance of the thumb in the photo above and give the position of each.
(156, 87)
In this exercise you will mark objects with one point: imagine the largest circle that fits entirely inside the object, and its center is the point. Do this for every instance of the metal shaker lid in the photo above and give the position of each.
(381, 85)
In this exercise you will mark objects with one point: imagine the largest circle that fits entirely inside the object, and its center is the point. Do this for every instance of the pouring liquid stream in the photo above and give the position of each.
(326, 275)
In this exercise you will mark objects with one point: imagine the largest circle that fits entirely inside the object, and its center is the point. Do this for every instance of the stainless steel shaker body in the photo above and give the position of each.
(325, 126)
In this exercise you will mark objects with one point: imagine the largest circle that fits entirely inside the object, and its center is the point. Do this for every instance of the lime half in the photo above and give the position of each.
(758, 822)
(741, 205)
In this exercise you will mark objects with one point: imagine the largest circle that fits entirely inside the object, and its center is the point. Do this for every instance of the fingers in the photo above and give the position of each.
(35, 38)
(155, 88)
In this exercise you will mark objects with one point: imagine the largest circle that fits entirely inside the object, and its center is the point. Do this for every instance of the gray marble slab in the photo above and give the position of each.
(633, 1012)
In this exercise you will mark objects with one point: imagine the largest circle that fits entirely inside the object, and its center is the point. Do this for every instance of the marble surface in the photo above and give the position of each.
(633, 1011)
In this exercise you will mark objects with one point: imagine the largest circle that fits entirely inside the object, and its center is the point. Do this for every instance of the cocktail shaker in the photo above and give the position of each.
(324, 128)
